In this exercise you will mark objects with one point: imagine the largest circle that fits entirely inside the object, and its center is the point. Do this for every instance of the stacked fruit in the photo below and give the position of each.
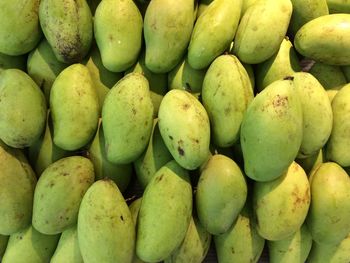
(233, 135)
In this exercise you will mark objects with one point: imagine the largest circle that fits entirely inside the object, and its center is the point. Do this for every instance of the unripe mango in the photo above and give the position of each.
(339, 6)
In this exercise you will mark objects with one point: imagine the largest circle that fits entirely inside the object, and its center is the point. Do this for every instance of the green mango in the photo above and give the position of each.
(184, 126)
(118, 33)
(127, 108)
(277, 114)
(346, 71)
(167, 30)
(311, 162)
(134, 210)
(3, 244)
(325, 39)
(221, 194)
(119, 173)
(20, 29)
(338, 6)
(202, 6)
(194, 247)
(74, 108)
(167, 200)
(253, 41)
(59, 192)
(282, 64)
(339, 142)
(30, 246)
(226, 94)
(213, 32)
(293, 249)
(328, 218)
(67, 26)
(22, 109)
(281, 206)
(106, 230)
(330, 77)
(153, 158)
(43, 67)
(7, 62)
(317, 113)
(68, 248)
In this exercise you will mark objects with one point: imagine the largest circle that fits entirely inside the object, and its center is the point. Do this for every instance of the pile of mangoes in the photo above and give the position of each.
(232, 116)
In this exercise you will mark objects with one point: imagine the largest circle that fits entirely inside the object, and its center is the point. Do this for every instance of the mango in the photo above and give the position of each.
(106, 230)
(221, 194)
(29, 245)
(74, 108)
(118, 33)
(202, 6)
(22, 109)
(226, 97)
(277, 114)
(7, 62)
(59, 192)
(338, 6)
(67, 26)
(184, 126)
(253, 43)
(246, 4)
(20, 29)
(330, 76)
(167, 31)
(213, 32)
(328, 218)
(311, 162)
(325, 39)
(127, 116)
(134, 210)
(167, 200)
(280, 206)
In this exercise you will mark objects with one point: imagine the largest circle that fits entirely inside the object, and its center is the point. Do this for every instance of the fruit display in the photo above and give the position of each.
(180, 131)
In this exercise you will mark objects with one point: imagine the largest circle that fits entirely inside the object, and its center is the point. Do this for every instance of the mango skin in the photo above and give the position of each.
(226, 97)
(325, 39)
(167, 200)
(22, 109)
(67, 26)
(167, 31)
(281, 206)
(134, 210)
(20, 29)
(277, 114)
(338, 6)
(202, 6)
(328, 218)
(74, 108)
(3, 244)
(330, 76)
(127, 108)
(221, 194)
(7, 62)
(106, 230)
(59, 192)
(251, 44)
(184, 126)
(118, 33)
(213, 32)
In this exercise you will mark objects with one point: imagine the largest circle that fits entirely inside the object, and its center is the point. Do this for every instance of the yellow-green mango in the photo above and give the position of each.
(118, 33)
(7, 62)
(22, 109)
(194, 247)
(293, 249)
(43, 67)
(339, 141)
(127, 118)
(328, 218)
(317, 113)
(167, 200)
(311, 162)
(68, 248)
(221, 194)
(20, 29)
(3, 244)
(282, 64)
(346, 71)
(134, 210)
(29, 245)
(119, 173)
(74, 108)
(253, 42)
(339, 6)
(281, 206)
(185, 129)
(330, 76)
(213, 32)
(153, 158)
(59, 192)
(167, 30)
(277, 114)
(202, 6)
(226, 94)
(325, 39)
(67, 26)
(106, 231)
